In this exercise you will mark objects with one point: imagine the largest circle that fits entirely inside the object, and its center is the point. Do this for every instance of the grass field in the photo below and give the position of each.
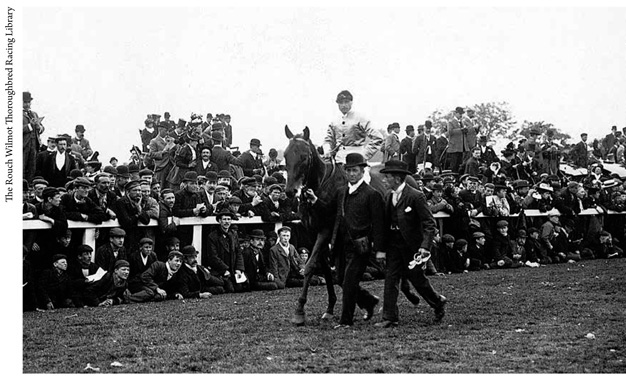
(522, 321)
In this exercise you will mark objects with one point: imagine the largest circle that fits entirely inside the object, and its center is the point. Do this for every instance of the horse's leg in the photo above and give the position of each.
(330, 288)
(299, 316)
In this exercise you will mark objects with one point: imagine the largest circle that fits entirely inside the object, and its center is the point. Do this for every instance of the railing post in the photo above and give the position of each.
(89, 238)
(197, 240)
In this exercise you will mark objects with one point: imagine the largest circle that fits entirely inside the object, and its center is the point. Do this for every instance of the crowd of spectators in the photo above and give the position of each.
(191, 169)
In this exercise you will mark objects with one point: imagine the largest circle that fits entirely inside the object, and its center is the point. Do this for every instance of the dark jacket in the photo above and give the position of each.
(223, 252)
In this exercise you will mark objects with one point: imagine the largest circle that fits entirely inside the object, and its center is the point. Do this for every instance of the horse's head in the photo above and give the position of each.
(298, 159)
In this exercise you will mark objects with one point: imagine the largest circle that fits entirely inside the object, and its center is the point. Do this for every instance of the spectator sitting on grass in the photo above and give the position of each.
(284, 263)
(549, 230)
(79, 270)
(519, 249)
(459, 262)
(605, 247)
(477, 251)
(255, 265)
(108, 254)
(501, 248)
(159, 281)
(54, 288)
(110, 289)
(140, 261)
(195, 280)
(534, 248)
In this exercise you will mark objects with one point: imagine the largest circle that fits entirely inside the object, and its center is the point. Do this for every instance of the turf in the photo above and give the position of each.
(497, 321)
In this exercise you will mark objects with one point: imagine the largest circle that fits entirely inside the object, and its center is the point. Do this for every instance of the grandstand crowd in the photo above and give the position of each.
(190, 168)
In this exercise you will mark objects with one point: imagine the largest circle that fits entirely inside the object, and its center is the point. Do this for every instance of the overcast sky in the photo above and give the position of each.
(107, 68)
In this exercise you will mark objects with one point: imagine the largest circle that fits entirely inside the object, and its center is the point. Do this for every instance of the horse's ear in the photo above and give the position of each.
(288, 132)
(306, 133)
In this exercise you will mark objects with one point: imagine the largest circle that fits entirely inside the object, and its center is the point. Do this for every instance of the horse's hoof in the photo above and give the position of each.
(328, 316)
(298, 320)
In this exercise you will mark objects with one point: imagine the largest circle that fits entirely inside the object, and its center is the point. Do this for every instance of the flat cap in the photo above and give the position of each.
(146, 240)
(117, 232)
(121, 264)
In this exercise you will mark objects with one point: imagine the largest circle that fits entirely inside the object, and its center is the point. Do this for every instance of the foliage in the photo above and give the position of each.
(498, 321)
(524, 131)
(495, 119)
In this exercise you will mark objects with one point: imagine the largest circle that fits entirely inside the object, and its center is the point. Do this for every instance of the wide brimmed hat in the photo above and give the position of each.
(355, 159)
(395, 166)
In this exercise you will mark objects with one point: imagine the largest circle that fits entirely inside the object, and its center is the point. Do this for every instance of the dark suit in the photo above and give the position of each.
(160, 154)
(359, 217)
(129, 217)
(201, 170)
(415, 229)
(424, 149)
(256, 270)
(580, 154)
(191, 284)
(406, 151)
(223, 158)
(137, 267)
(249, 163)
(223, 253)
(50, 171)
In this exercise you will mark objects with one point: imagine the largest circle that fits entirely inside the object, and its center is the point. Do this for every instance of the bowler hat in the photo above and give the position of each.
(224, 174)
(343, 96)
(459, 110)
(190, 176)
(255, 142)
(117, 232)
(181, 123)
(26, 97)
(217, 126)
(110, 170)
(355, 159)
(189, 250)
(145, 172)
(211, 176)
(122, 171)
(79, 128)
(409, 128)
(121, 264)
(395, 166)
(224, 212)
(437, 187)
(257, 233)
(428, 124)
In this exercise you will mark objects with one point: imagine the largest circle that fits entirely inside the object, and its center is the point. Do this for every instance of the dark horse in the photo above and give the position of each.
(307, 170)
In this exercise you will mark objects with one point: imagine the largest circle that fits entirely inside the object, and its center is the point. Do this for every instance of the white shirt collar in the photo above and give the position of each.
(353, 187)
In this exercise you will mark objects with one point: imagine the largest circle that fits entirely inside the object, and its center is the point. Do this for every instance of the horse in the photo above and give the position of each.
(306, 170)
